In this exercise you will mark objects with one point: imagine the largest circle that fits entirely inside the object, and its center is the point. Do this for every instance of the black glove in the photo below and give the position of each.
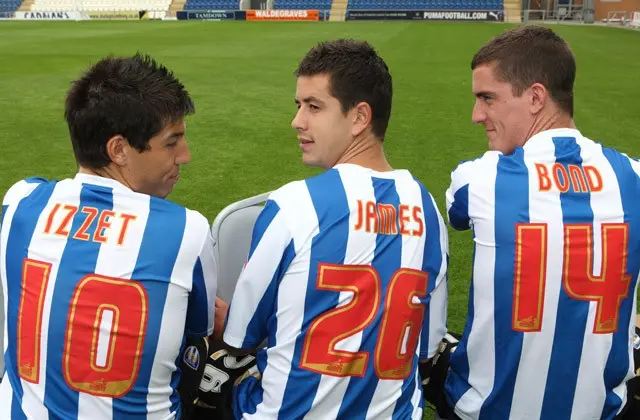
(192, 366)
(208, 386)
(434, 376)
(632, 409)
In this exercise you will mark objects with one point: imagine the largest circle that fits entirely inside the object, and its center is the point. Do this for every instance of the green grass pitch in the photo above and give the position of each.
(240, 75)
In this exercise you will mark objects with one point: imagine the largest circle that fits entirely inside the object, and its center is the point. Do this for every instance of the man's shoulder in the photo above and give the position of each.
(618, 155)
(198, 220)
(288, 195)
(297, 198)
(619, 160)
(474, 168)
(489, 157)
(22, 188)
(318, 188)
(194, 221)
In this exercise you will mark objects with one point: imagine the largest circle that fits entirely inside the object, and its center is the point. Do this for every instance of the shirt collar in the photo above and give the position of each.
(101, 181)
(554, 132)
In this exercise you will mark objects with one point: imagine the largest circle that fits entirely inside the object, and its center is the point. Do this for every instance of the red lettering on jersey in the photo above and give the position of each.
(529, 276)
(561, 177)
(608, 289)
(387, 219)
(399, 328)
(360, 222)
(35, 277)
(544, 182)
(82, 234)
(417, 211)
(126, 218)
(578, 180)
(103, 226)
(593, 178)
(383, 218)
(569, 178)
(128, 301)
(404, 219)
(63, 228)
(372, 217)
(55, 209)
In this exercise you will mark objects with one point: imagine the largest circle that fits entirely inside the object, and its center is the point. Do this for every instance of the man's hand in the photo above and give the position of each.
(221, 310)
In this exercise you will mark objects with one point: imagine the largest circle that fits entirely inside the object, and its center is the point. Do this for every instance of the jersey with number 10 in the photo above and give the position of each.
(553, 296)
(100, 284)
(346, 280)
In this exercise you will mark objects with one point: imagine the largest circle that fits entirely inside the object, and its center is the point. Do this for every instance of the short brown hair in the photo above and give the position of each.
(356, 74)
(532, 54)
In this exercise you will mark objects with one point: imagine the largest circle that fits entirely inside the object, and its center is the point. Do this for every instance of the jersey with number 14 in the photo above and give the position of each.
(100, 285)
(346, 280)
(553, 296)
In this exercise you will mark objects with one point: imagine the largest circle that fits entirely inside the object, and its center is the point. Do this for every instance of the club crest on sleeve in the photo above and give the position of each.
(636, 342)
(192, 357)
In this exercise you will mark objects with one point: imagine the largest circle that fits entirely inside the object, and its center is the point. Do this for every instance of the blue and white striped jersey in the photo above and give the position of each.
(346, 281)
(556, 228)
(101, 284)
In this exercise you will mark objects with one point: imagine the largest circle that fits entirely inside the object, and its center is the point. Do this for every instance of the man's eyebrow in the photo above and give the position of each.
(484, 94)
(308, 99)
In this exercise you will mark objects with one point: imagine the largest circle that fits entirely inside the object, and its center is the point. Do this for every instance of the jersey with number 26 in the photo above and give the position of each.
(100, 285)
(346, 282)
(553, 296)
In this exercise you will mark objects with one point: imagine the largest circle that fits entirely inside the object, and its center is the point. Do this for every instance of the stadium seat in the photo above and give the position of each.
(423, 4)
(232, 230)
(302, 4)
(9, 5)
(212, 5)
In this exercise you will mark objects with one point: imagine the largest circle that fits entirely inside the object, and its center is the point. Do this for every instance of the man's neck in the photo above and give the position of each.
(368, 153)
(551, 122)
(106, 172)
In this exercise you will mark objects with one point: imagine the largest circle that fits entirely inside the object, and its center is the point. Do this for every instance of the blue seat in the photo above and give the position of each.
(9, 6)
(303, 4)
(211, 5)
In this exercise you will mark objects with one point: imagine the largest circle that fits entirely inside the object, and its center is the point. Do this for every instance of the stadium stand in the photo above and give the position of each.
(356, 4)
(100, 5)
(164, 5)
(212, 5)
(424, 4)
(302, 4)
(9, 5)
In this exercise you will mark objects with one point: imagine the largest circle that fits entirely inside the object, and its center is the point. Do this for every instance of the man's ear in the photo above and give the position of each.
(118, 150)
(362, 115)
(539, 95)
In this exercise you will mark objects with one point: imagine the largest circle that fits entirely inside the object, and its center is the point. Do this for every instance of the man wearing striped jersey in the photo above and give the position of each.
(556, 228)
(346, 276)
(102, 277)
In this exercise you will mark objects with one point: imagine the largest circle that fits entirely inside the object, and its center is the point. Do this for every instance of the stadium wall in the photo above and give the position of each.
(88, 15)
(320, 15)
(604, 7)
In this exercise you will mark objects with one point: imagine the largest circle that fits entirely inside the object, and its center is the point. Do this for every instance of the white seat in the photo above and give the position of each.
(232, 230)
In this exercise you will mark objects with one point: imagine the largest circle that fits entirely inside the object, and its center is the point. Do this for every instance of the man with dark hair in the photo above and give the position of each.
(102, 276)
(341, 265)
(556, 223)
